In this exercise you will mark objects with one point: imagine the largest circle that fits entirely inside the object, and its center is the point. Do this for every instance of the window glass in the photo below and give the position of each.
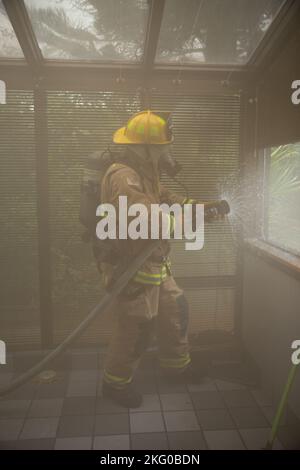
(214, 31)
(282, 217)
(103, 30)
(9, 46)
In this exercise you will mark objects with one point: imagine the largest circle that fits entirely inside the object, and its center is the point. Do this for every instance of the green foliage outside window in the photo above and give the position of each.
(283, 197)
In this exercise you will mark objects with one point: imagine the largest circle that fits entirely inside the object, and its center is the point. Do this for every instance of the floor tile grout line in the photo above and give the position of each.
(226, 407)
(100, 414)
(193, 409)
(231, 416)
(243, 441)
(26, 415)
(95, 416)
(229, 408)
(228, 411)
(130, 433)
(198, 421)
(160, 402)
(61, 415)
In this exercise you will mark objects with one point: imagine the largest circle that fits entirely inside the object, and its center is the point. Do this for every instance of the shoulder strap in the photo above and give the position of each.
(119, 166)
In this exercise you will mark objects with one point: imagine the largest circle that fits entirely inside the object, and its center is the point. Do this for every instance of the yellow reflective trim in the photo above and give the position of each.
(148, 275)
(155, 279)
(163, 275)
(179, 363)
(144, 281)
(175, 366)
(152, 276)
(175, 359)
(175, 363)
(147, 281)
(152, 279)
(152, 282)
(115, 379)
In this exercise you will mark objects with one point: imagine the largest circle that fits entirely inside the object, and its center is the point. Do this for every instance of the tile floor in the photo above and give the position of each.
(70, 412)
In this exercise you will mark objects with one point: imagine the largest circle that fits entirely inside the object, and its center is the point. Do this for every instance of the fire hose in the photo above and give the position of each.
(104, 303)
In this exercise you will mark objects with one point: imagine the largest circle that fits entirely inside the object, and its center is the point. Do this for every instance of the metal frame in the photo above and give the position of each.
(263, 234)
(21, 24)
(61, 77)
(265, 162)
(150, 47)
(283, 26)
(44, 257)
(247, 141)
(60, 74)
(152, 34)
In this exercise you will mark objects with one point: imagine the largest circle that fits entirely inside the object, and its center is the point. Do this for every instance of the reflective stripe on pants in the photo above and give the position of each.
(115, 381)
(175, 363)
(162, 308)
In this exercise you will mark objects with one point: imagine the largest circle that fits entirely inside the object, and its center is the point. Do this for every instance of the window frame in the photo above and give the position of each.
(281, 257)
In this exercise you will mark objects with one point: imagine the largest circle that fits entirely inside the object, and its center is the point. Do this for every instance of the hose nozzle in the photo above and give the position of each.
(217, 208)
(223, 207)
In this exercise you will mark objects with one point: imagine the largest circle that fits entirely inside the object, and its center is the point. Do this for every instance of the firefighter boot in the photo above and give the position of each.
(126, 396)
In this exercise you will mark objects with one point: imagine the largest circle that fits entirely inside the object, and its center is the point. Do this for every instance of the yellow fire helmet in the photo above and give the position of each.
(146, 127)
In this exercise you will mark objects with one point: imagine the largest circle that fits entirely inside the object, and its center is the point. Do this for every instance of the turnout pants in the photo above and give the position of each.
(160, 310)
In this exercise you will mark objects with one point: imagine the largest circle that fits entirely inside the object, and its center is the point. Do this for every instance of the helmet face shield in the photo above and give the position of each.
(169, 128)
(167, 163)
(159, 153)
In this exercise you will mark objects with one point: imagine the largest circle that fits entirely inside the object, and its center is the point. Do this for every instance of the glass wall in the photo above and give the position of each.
(19, 286)
(100, 30)
(282, 196)
(9, 46)
(214, 31)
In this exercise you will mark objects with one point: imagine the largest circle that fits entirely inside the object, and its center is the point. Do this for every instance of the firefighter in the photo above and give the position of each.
(152, 301)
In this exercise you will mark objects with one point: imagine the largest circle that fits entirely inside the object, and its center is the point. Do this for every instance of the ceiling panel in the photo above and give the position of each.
(9, 45)
(100, 30)
(214, 32)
